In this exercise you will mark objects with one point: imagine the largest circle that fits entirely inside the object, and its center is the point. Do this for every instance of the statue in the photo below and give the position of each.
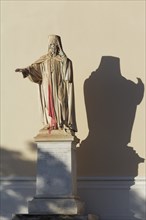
(53, 73)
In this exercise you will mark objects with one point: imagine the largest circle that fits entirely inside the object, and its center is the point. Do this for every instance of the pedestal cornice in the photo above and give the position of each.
(45, 135)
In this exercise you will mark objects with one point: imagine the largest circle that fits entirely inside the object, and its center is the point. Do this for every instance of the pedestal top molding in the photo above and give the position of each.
(55, 135)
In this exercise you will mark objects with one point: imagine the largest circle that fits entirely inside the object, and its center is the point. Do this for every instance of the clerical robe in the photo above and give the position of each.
(54, 76)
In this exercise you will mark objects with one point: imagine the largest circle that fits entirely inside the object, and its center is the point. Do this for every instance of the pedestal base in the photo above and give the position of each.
(61, 206)
(54, 217)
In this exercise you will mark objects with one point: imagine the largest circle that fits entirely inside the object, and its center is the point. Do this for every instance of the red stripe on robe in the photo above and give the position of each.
(51, 110)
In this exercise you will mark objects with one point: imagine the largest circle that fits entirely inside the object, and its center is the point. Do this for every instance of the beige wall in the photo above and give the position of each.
(89, 30)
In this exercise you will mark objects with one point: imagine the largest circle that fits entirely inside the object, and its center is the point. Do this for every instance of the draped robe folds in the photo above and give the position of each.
(54, 76)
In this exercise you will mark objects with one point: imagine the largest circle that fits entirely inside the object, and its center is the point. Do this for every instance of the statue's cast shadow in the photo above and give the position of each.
(111, 102)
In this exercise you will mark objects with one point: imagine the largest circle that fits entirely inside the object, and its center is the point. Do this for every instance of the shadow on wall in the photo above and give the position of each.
(111, 101)
(139, 204)
(16, 193)
(14, 164)
(14, 197)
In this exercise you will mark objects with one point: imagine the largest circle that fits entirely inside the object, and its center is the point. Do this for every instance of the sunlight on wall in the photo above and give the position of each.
(89, 30)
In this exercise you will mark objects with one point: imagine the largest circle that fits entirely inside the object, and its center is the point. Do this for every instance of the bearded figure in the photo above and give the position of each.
(53, 73)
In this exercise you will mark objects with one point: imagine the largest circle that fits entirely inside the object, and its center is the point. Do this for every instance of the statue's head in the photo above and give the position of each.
(55, 46)
(53, 49)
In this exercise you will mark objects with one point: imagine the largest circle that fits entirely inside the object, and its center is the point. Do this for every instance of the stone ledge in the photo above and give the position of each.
(56, 206)
(54, 135)
(54, 217)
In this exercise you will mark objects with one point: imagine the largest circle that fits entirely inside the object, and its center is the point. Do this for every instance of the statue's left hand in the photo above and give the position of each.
(139, 91)
(18, 70)
(24, 71)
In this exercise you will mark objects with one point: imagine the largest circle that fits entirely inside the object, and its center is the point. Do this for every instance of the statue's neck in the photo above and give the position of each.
(110, 64)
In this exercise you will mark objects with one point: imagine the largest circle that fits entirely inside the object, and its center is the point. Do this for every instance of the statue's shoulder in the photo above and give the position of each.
(44, 56)
(41, 59)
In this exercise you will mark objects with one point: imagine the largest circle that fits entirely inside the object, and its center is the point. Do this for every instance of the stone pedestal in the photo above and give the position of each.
(56, 190)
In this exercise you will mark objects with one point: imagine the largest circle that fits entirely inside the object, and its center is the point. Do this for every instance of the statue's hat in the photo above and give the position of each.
(54, 39)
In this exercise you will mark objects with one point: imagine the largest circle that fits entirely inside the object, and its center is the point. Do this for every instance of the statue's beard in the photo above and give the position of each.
(53, 53)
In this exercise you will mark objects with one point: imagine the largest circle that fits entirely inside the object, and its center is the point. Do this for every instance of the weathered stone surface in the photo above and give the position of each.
(56, 169)
(56, 190)
(54, 135)
(62, 206)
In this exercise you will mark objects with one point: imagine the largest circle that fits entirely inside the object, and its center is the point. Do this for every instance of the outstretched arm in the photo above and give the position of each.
(33, 72)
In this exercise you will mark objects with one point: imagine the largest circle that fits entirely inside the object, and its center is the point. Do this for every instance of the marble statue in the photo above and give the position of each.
(53, 73)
